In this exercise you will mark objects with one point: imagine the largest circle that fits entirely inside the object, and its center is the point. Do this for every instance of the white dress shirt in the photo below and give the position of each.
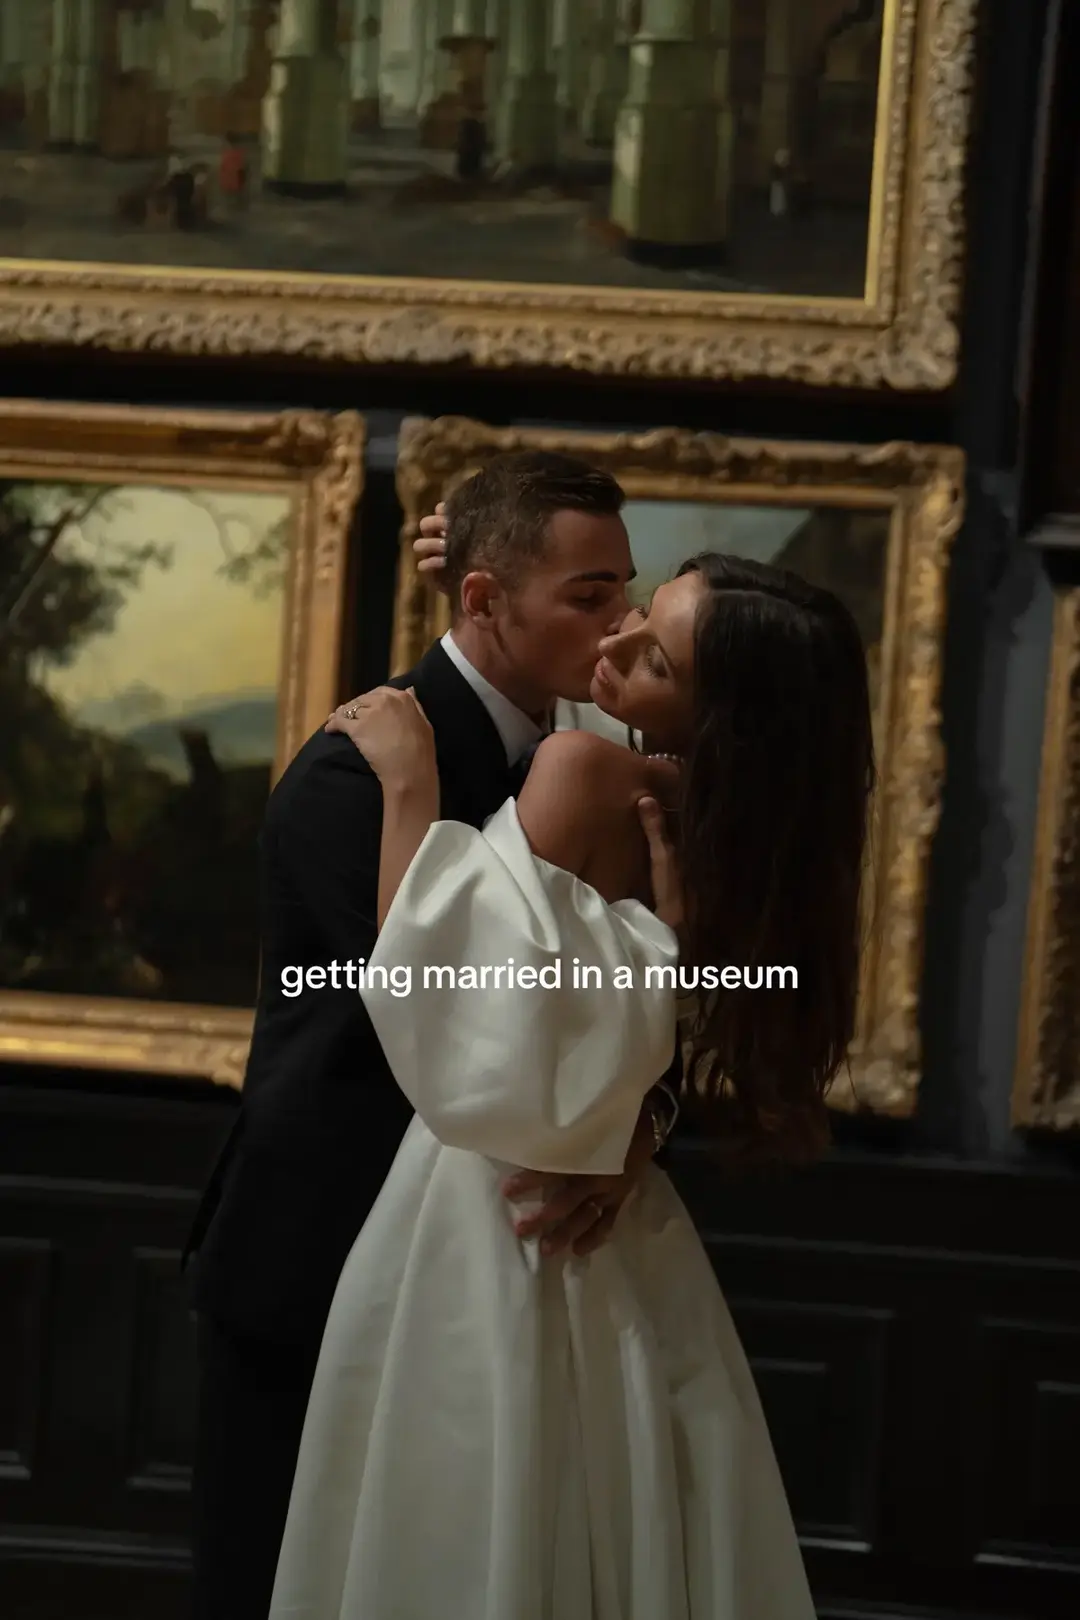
(519, 732)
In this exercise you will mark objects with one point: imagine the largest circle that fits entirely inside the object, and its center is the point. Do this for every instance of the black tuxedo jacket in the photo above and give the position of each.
(321, 1116)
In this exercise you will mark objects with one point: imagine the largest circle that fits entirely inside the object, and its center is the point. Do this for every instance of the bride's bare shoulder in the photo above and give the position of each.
(586, 758)
(588, 763)
(579, 750)
(578, 809)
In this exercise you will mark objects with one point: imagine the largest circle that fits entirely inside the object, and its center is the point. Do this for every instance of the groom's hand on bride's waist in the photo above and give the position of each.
(581, 1211)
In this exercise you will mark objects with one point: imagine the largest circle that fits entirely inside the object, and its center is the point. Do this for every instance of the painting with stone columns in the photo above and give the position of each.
(684, 187)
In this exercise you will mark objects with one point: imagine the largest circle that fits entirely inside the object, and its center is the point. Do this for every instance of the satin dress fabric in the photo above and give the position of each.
(492, 1434)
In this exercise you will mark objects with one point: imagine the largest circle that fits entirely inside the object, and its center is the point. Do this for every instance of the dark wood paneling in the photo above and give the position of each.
(862, 1292)
(161, 1403)
(24, 1299)
(1026, 1487)
(921, 1378)
(821, 1370)
(96, 1195)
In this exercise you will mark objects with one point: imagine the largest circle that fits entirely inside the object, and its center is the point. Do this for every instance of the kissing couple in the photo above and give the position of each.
(462, 1353)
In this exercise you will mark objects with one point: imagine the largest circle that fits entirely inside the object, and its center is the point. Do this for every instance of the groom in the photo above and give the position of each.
(537, 562)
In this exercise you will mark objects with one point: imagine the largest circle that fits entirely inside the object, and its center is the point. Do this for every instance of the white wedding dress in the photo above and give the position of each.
(496, 1436)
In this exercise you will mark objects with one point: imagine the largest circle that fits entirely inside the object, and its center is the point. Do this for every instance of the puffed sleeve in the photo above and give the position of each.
(548, 1074)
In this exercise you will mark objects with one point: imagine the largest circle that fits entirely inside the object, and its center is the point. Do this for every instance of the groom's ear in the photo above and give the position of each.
(479, 593)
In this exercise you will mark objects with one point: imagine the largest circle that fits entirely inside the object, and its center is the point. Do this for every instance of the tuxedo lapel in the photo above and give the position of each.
(520, 769)
(473, 770)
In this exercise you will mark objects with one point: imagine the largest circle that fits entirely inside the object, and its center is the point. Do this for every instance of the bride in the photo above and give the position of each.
(493, 1435)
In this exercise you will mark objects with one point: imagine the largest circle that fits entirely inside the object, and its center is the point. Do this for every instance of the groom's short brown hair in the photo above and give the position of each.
(498, 518)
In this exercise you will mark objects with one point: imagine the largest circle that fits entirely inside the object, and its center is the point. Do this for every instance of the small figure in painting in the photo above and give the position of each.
(233, 174)
(780, 185)
(180, 187)
(471, 148)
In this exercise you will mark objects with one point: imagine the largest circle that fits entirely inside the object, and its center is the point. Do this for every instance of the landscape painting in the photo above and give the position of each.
(844, 549)
(141, 633)
(723, 146)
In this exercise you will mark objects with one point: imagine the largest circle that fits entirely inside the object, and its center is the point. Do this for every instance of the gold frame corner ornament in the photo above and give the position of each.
(922, 488)
(902, 334)
(316, 458)
(1046, 1082)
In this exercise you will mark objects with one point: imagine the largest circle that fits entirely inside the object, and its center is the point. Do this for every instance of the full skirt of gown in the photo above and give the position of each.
(493, 1435)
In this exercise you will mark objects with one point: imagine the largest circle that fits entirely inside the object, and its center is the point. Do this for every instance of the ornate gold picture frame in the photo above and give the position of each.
(876, 524)
(882, 96)
(1046, 1088)
(171, 603)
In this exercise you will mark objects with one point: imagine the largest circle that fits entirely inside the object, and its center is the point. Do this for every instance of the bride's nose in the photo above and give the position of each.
(619, 634)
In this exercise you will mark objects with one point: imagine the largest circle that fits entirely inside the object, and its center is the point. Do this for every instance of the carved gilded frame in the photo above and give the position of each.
(921, 487)
(1046, 1087)
(320, 459)
(903, 333)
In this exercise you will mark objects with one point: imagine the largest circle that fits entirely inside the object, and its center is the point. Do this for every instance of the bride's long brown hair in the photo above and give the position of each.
(773, 824)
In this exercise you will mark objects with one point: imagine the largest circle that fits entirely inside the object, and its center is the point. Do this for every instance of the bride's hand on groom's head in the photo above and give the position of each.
(430, 545)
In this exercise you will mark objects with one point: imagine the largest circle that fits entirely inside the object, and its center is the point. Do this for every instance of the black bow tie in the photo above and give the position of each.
(519, 770)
